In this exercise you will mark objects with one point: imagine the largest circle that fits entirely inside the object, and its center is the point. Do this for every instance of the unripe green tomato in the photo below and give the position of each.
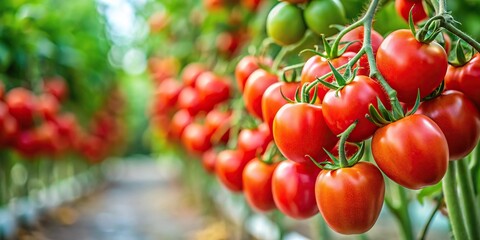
(320, 14)
(295, 1)
(353, 8)
(285, 24)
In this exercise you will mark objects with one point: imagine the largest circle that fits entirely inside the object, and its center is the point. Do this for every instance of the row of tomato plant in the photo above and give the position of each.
(361, 122)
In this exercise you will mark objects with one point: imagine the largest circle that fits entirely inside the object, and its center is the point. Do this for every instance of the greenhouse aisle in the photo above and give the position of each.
(142, 202)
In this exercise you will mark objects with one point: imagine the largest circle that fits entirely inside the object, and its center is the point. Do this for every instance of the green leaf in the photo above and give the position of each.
(340, 79)
(429, 192)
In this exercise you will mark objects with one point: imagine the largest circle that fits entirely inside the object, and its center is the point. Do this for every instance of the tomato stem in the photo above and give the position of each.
(423, 233)
(341, 145)
(400, 209)
(342, 33)
(453, 203)
(467, 198)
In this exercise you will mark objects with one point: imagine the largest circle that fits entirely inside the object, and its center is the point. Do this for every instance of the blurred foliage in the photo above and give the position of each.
(44, 38)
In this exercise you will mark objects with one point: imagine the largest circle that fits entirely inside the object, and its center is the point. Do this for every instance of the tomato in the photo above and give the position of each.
(293, 188)
(229, 42)
(166, 95)
(341, 109)
(466, 79)
(57, 87)
(180, 121)
(252, 5)
(295, 1)
(254, 142)
(317, 66)
(412, 151)
(273, 100)
(212, 89)
(350, 199)
(191, 72)
(321, 14)
(229, 168)
(403, 8)
(256, 85)
(8, 126)
(357, 35)
(459, 120)
(195, 138)
(285, 16)
(27, 143)
(246, 66)
(189, 100)
(48, 106)
(299, 129)
(353, 8)
(22, 105)
(209, 159)
(257, 185)
(218, 125)
(67, 127)
(49, 139)
(409, 65)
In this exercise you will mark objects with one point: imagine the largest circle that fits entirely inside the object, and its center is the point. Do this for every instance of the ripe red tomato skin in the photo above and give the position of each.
(466, 79)
(196, 139)
(413, 151)
(293, 188)
(459, 120)
(22, 105)
(212, 90)
(229, 168)
(273, 100)
(245, 67)
(208, 161)
(403, 8)
(180, 121)
(358, 194)
(352, 104)
(191, 72)
(299, 129)
(257, 185)
(357, 34)
(408, 65)
(216, 120)
(256, 85)
(317, 66)
(254, 141)
(189, 99)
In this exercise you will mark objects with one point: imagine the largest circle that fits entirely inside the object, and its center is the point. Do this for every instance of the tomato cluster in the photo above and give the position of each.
(35, 125)
(296, 144)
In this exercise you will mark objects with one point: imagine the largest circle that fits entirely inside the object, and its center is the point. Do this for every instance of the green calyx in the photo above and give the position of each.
(435, 93)
(460, 55)
(289, 79)
(382, 116)
(331, 51)
(340, 80)
(272, 154)
(342, 161)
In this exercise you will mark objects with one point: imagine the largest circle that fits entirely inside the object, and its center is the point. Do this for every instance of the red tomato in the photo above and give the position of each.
(299, 129)
(212, 89)
(350, 104)
(218, 125)
(57, 87)
(403, 8)
(466, 79)
(22, 105)
(191, 72)
(209, 159)
(257, 184)
(168, 92)
(409, 65)
(252, 5)
(27, 143)
(293, 188)
(273, 100)
(189, 100)
(2, 90)
(49, 139)
(245, 67)
(180, 121)
(256, 85)
(317, 66)
(459, 120)
(412, 151)
(68, 128)
(195, 138)
(356, 35)
(48, 106)
(254, 142)
(8, 126)
(229, 168)
(229, 42)
(350, 199)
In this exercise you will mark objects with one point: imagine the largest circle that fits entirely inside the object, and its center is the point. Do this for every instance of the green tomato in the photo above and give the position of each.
(285, 24)
(353, 8)
(321, 14)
